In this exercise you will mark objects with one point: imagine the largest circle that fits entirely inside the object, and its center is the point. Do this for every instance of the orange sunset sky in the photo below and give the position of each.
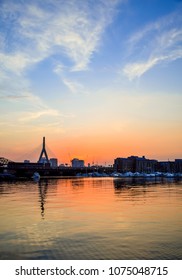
(98, 81)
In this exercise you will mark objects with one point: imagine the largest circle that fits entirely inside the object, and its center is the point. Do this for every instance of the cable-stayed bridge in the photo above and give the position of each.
(44, 168)
(34, 154)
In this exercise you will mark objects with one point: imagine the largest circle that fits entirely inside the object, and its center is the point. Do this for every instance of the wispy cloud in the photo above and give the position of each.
(59, 69)
(33, 31)
(28, 116)
(74, 86)
(156, 43)
(71, 28)
(135, 70)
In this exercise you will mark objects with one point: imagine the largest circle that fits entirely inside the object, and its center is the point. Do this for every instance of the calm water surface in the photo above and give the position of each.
(91, 218)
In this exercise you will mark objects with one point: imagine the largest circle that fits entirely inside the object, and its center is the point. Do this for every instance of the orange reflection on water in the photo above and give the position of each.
(102, 212)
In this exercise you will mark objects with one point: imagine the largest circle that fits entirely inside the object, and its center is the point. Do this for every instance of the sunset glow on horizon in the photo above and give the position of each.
(99, 79)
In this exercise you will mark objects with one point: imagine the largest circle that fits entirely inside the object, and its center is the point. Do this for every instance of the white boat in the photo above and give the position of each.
(169, 175)
(149, 175)
(115, 174)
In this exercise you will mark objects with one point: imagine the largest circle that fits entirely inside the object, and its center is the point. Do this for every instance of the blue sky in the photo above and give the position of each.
(106, 71)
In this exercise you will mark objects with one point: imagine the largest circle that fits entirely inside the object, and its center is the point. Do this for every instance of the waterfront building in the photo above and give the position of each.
(178, 165)
(123, 165)
(166, 166)
(145, 165)
(77, 163)
(135, 164)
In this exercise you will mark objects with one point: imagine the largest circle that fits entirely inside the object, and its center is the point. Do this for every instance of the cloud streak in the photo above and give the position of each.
(34, 31)
(36, 115)
(70, 28)
(156, 43)
(74, 86)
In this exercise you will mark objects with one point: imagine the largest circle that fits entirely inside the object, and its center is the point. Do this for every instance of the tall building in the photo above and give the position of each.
(77, 162)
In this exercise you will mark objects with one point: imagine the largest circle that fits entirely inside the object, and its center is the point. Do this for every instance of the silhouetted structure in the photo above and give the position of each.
(178, 165)
(46, 167)
(135, 164)
(77, 163)
(53, 162)
(144, 165)
(4, 161)
(43, 152)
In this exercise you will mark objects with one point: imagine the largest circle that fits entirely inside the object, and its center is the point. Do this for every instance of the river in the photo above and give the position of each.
(91, 218)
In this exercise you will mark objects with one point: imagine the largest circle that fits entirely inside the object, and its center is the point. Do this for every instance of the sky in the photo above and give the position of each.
(99, 79)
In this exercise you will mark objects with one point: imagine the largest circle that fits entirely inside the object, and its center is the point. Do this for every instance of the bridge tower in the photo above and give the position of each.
(43, 152)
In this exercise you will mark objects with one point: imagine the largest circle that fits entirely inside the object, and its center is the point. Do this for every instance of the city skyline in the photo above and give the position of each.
(100, 79)
(43, 154)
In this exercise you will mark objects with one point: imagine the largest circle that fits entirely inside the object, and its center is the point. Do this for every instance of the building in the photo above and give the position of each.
(135, 164)
(145, 165)
(166, 166)
(53, 162)
(26, 161)
(170, 166)
(178, 165)
(123, 165)
(77, 163)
